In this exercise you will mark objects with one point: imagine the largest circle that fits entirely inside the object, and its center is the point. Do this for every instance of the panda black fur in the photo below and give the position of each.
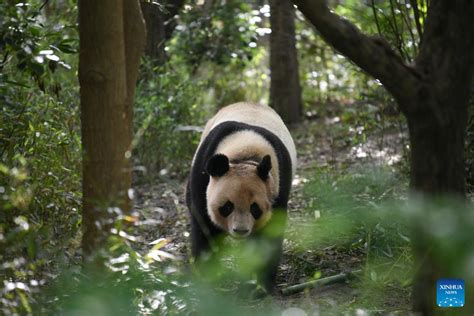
(210, 164)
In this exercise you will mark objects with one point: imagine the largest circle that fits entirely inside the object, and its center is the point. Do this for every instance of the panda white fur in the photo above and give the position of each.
(240, 176)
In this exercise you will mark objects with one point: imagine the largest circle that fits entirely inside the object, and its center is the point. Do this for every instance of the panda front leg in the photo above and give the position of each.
(266, 276)
(200, 243)
(203, 236)
(270, 240)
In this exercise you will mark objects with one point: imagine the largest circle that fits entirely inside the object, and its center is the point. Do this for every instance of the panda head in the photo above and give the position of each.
(239, 196)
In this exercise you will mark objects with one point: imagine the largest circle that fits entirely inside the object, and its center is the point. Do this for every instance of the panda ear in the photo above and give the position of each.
(217, 165)
(264, 167)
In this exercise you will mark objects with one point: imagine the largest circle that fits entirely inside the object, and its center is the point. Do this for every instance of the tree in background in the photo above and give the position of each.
(112, 35)
(432, 93)
(160, 24)
(285, 89)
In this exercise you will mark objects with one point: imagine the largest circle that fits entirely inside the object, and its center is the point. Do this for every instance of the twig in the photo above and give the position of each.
(341, 277)
(416, 13)
(374, 11)
(398, 32)
(43, 5)
(406, 17)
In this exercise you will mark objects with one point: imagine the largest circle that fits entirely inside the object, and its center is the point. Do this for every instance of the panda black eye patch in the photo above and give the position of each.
(226, 209)
(255, 211)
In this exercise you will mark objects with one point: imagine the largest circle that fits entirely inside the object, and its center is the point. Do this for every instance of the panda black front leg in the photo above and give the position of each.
(202, 237)
(202, 231)
(266, 276)
(199, 241)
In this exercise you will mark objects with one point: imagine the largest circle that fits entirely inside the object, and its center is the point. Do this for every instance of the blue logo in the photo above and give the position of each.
(450, 292)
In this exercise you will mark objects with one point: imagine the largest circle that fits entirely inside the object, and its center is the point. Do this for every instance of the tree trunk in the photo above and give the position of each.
(172, 8)
(155, 25)
(285, 90)
(437, 127)
(160, 24)
(107, 74)
(437, 164)
(437, 170)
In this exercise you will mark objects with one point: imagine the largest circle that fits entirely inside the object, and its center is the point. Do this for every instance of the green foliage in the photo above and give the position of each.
(39, 185)
(360, 209)
(131, 283)
(351, 207)
(394, 20)
(217, 56)
(220, 33)
(32, 47)
(221, 44)
(334, 86)
(328, 77)
(39, 151)
(165, 106)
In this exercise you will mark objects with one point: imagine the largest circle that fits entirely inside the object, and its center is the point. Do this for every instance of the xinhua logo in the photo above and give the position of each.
(450, 292)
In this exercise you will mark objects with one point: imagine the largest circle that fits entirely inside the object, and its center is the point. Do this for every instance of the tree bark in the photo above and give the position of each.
(111, 40)
(433, 94)
(285, 89)
(437, 169)
(135, 39)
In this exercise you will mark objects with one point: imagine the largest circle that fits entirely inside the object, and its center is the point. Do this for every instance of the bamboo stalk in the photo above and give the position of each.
(341, 277)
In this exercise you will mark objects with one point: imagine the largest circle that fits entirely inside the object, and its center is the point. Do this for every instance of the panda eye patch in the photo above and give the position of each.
(255, 211)
(226, 209)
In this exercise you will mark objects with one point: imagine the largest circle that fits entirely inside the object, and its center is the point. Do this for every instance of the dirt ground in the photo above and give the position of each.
(163, 214)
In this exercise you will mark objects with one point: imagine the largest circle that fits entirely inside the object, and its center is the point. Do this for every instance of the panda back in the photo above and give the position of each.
(256, 115)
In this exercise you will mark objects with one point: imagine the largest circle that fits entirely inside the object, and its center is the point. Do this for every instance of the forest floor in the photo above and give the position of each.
(321, 143)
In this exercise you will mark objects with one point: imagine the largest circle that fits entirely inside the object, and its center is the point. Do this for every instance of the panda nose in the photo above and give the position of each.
(240, 231)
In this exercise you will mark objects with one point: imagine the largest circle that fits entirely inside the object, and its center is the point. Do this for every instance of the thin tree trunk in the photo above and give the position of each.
(107, 78)
(433, 94)
(135, 40)
(155, 25)
(285, 90)
(160, 24)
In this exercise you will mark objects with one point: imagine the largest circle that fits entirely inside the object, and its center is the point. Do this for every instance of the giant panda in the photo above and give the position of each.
(240, 177)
